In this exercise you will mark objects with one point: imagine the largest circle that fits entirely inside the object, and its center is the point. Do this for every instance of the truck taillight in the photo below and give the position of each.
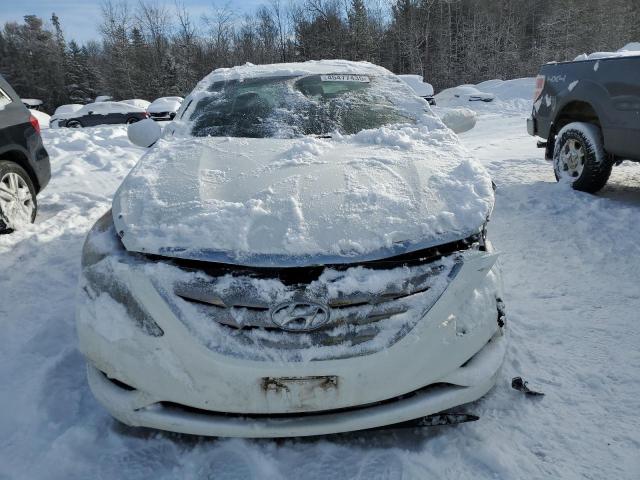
(34, 123)
(539, 87)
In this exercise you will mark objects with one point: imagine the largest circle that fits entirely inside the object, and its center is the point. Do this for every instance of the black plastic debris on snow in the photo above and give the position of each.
(517, 383)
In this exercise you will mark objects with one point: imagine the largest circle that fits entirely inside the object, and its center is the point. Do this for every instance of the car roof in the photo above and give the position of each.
(311, 67)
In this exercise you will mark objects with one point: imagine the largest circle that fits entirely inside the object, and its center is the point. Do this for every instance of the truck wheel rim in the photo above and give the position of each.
(16, 201)
(571, 160)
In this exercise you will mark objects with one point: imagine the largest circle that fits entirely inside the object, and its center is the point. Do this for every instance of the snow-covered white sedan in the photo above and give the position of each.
(164, 108)
(62, 113)
(463, 93)
(302, 252)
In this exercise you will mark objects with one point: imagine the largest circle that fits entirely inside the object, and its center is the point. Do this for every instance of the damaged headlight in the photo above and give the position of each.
(102, 251)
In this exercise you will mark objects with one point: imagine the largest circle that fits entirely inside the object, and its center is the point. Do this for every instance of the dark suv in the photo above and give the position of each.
(24, 162)
(588, 113)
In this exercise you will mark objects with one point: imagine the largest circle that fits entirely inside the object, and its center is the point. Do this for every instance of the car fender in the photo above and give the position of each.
(583, 91)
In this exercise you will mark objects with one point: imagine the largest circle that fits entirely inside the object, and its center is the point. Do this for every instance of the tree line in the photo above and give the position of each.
(153, 49)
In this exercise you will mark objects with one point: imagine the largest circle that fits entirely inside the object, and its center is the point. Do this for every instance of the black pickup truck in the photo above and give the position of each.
(588, 114)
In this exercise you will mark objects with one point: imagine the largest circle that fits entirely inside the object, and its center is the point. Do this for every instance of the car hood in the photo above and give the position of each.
(286, 202)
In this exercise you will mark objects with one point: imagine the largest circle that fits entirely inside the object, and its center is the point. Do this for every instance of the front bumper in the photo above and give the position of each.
(450, 356)
(125, 405)
(162, 116)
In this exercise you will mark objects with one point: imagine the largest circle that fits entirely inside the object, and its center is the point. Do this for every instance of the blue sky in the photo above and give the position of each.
(80, 19)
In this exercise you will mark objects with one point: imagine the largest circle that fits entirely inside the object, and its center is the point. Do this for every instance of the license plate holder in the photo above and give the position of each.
(300, 392)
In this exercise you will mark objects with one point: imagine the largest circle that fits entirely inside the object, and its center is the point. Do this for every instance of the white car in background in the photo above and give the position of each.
(462, 94)
(32, 103)
(420, 87)
(302, 252)
(164, 108)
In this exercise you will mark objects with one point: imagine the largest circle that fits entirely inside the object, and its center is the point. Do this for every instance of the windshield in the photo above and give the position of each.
(288, 107)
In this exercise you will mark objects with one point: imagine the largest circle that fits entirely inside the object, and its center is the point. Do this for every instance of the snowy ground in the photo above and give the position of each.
(571, 264)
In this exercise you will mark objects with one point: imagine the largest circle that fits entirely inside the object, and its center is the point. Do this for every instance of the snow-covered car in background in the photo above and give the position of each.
(420, 87)
(103, 98)
(164, 108)
(32, 103)
(101, 113)
(303, 252)
(463, 93)
(63, 112)
(137, 102)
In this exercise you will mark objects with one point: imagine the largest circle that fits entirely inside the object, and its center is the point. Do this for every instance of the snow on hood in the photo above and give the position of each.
(303, 201)
(165, 104)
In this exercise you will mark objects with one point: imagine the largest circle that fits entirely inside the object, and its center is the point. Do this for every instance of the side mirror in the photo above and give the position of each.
(144, 133)
(459, 120)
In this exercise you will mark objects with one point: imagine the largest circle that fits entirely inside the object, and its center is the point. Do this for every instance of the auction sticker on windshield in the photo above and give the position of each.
(344, 78)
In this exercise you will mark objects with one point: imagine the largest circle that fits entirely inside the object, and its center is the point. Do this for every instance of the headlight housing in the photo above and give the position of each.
(102, 251)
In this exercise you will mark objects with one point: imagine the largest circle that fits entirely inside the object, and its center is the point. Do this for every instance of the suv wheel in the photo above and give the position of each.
(579, 157)
(131, 120)
(74, 124)
(18, 204)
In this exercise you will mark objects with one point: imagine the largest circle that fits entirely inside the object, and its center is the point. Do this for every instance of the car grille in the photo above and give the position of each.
(369, 309)
(241, 308)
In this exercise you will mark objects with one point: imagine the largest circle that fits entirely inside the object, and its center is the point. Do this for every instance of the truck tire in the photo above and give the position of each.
(18, 203)
(579, 157)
